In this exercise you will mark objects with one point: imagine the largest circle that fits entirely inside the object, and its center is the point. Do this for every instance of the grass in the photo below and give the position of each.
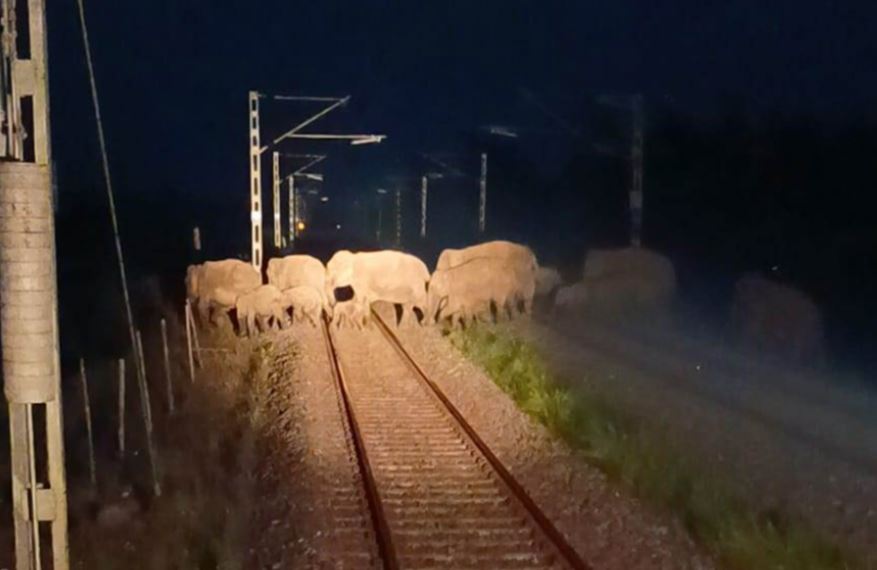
(739, 537)
(209, 455)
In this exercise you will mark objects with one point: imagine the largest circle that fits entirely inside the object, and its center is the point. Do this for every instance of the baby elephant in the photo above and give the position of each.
(350, 312)
(306, 302)
(260, 305)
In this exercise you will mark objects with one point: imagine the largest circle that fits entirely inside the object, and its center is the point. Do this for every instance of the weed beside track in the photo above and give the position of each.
(739, 536)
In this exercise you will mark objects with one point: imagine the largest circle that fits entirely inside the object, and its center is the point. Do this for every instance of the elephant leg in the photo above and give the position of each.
(203, 308)
(311, 319)
(242, 324)
(225, 319)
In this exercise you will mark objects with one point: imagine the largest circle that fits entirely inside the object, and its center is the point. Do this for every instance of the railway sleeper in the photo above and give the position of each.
(509, 560)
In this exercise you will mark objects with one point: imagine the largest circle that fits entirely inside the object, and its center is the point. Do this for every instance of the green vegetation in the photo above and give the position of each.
(739, 537)
(208, 456)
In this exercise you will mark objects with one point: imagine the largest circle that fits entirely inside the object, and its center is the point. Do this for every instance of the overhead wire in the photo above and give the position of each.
(107, 178)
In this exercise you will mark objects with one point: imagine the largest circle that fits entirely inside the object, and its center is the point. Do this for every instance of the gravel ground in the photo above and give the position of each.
(611, 529)
(311, 489)
(777, 445)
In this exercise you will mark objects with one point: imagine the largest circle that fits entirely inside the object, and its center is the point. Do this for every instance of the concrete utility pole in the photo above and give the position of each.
(380, 192)
(398, 217)
(292, 199)
(482, 197)
(255, 184)
(423, 190)
(275, 202)
(636, 165)
(28, 288)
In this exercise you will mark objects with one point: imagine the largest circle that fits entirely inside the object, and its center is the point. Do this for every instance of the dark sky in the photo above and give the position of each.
(173, 74)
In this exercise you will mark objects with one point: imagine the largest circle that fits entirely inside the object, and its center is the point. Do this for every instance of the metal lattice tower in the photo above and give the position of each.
(28, 287)
(255, 184)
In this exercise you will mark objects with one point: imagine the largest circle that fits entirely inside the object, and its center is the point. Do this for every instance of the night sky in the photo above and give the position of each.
(174, 74)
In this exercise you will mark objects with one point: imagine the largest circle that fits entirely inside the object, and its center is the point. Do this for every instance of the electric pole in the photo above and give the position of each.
(380, 194)
(636, 165)
(256, 151)
(28, 286)
(255, 184)
(423, 191)
(482, 197)
(275, 202)
(398, 217)
(292, 199)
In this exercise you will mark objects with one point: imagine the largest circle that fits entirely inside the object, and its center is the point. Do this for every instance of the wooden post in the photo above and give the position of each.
(121, 408)
(86, 405)
(146, 409)
(189, 326)
(196, 342)
(167, 367)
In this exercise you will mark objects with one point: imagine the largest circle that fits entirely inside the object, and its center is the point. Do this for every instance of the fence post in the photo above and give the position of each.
(196, 343)
(147, 416)
(121, 408)
(189, 326)
(167, 367)
(86, 404)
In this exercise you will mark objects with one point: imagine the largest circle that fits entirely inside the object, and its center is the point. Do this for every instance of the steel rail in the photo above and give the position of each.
(568, 553)
(384, 539)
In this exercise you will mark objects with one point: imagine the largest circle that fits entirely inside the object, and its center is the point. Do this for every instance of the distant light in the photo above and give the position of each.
(382, 191)
(300, 226)
(324, 198)
(337, 226)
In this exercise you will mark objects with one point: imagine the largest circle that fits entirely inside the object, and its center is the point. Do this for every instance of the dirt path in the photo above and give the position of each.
(778, 446)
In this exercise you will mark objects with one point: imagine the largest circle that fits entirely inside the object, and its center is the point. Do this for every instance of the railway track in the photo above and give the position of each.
(437, 496)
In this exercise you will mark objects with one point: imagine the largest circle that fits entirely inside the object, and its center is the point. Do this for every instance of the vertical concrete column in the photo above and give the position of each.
(31, 369)
(275, 195)
(291, 209)
(28, 288)
(482, 195)
(423, 190)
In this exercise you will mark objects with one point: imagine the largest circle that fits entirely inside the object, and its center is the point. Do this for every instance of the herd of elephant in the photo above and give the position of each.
(495, 279)
(487, 281)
